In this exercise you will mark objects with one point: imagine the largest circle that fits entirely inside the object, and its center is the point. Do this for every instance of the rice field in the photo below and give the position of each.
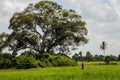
(92, 71)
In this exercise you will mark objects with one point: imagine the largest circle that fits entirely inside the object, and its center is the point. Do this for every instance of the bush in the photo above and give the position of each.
(5, 60)
(64, 61)
(32, 60)
(25, 62)
(48, 60)
(5, 63)
(45, 63)
(107, 59)
(113, 63)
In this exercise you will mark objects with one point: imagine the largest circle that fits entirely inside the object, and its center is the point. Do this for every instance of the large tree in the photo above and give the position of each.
(45, 26)
(3, 38)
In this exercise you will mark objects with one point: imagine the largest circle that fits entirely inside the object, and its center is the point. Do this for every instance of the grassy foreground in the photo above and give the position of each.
(91, 72)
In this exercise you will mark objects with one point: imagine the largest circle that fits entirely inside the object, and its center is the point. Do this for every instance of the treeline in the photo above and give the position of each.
(89, 57)
(33, 60)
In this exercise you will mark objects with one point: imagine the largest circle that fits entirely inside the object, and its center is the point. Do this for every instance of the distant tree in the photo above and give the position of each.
(119, 57)
(96, 57)
(76, 57)
(89, 56)
(113, 58)
(81, 57)
(107, 59)
(103, 46)
(99, 57)
(45, 26)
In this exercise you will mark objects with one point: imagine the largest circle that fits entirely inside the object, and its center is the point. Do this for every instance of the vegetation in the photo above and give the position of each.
(103, 46)
(119, 57)
(45, 26)
(89, 57)
(92, 71)
(30, 59)
(33, 60)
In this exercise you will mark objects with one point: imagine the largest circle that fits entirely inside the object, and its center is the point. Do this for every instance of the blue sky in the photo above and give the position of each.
(102, 17)
(105, 1)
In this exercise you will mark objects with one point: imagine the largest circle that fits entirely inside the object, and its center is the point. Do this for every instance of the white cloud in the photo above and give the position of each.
(8, 8)
(116, 5)
(103, 23)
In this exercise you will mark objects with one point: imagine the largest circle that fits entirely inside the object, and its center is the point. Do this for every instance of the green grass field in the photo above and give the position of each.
(92, 71)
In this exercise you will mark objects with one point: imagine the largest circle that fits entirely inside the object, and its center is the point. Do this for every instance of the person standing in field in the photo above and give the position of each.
(82, 66)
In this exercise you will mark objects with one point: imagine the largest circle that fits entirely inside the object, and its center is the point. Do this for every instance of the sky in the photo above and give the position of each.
(102, 18)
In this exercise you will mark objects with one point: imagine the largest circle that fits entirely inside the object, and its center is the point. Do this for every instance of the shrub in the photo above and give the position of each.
(5, 60)
(25, 61)
(65, 61)
(45, 63)
(32, 60)
(107, 59)
(5, 63)
(48, 60)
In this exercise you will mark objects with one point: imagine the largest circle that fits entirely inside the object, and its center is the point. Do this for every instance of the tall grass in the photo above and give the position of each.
(91, 72)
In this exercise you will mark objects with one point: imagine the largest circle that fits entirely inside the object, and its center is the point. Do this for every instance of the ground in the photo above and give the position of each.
(92, 71)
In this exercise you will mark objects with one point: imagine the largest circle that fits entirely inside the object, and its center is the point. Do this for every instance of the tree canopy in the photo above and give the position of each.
(89, 56)
(45, 26)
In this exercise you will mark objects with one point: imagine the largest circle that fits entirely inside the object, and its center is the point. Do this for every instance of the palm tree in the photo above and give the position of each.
(103, 46)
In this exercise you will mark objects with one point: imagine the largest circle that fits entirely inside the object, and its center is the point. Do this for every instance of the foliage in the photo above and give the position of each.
(48, 59)
(113, 58)
(89, 56)
(5, 60)
(5, 63)
(107, 59)
(76, 57)
(99, 57)
(25, 61)
(119, 57)
(64, 61)
(45, 26)
(3, 38)
(103, 46)
(81, 56)
(30, 59)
